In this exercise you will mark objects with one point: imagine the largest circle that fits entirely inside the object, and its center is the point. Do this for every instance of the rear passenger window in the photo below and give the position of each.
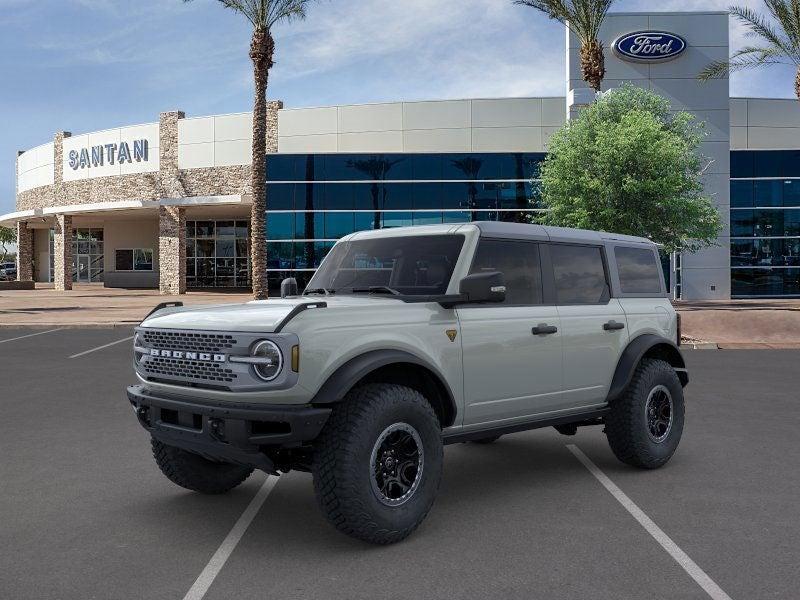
(519, 264)
(638, 270)
(579, 274)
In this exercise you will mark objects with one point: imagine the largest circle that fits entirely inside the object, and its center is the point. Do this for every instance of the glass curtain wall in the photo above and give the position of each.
(217, 254)
(765, 223)
(315, 199)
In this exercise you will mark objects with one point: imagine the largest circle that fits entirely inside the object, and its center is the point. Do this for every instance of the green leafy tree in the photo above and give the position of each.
(263, 15)
(628, 165)
(584, 18)
(778, 40)
(8, 236)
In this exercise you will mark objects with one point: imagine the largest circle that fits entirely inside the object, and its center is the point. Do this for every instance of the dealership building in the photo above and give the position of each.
(167, 204)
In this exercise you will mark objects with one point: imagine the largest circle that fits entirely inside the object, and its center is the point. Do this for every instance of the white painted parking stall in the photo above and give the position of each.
(103, 347)
(517, 519)
(28, 335)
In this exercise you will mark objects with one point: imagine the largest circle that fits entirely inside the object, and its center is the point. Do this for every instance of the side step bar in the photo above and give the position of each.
(593, 417)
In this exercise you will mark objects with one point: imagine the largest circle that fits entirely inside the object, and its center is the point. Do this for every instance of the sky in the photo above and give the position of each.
(86, 65)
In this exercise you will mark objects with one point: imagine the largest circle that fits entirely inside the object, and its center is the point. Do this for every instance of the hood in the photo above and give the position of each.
(258, 316)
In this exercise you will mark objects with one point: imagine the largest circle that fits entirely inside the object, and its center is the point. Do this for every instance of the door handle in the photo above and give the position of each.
(544, 329)
(613, 326)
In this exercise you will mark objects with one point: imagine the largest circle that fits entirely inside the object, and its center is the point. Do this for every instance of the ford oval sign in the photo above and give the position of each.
(649, 46)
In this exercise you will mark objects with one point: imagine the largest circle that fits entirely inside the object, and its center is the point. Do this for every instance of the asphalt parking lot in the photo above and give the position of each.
(85, 513)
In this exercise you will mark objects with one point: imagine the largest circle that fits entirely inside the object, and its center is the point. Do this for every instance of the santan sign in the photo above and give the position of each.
(97, 156)
(649, 46)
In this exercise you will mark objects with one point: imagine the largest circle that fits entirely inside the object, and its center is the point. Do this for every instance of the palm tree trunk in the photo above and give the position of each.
(593, 66)
(262, 48)
(797, 84)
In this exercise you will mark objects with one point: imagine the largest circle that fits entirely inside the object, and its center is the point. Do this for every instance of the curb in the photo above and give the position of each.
(703, 346)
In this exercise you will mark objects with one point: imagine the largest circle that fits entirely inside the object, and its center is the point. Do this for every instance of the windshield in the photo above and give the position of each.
(408, 265)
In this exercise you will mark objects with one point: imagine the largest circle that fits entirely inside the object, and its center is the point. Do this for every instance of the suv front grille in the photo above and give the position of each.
(196, 342)
(188, 369)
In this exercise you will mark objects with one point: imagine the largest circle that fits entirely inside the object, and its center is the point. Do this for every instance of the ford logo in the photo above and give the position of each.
(649, 46)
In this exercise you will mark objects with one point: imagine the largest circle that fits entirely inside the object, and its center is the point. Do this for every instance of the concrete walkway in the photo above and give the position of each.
(732, 324)
(92, 305)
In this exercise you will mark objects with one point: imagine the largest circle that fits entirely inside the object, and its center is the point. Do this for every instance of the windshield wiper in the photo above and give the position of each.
(323, 291)
(376, 289)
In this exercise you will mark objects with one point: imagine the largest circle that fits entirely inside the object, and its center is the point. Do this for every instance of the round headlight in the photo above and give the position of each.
(272, 360)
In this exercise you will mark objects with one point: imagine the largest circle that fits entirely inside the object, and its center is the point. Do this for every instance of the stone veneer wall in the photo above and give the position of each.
(62, 250)
(169, 182)
(171, 250)
(24, 252)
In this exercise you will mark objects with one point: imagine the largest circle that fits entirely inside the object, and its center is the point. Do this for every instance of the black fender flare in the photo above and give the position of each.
(354, 370)
(636, 349)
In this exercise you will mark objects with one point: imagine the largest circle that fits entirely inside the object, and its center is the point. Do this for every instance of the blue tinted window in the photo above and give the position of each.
(398, 166)
(426, 166)
(338, 225)
(310, 167)
(427, 218)
(768, 164)
(397, 219)
(367, 220)
(742, 164)
(529, 164)
(427, 195)
(463, 166)
(759, 253)
(280, 255)
(741, 194)
(280, 226)
(496, 166)
(768, 193)
(765, 282)
(281, 167)
(514, 195)
(280, 196)
(791, 222)
(456, 216)
(339, 167)
(485, 195)
(791, 193)
(309, 226)
(366, 196)
(309, 196)
(339, 196)
(455, 195)
(396, 196)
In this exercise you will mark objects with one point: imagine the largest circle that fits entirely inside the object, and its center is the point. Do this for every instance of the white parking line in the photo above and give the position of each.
(22, 337)
(214, 566)
(130, 337)
(688, 565)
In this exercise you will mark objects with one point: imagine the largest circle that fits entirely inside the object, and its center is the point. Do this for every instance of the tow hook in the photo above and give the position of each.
(143, 414)
(217, 429)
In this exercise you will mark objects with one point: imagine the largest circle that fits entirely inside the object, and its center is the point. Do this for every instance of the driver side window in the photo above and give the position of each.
(518, 262)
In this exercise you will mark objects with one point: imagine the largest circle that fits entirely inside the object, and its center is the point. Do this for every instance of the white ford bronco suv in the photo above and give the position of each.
(406, 340)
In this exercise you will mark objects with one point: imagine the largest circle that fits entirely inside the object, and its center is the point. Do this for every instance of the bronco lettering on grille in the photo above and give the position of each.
(184, 355)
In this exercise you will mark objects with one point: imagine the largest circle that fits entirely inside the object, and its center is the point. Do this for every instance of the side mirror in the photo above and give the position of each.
(289, 287)
(483, 287)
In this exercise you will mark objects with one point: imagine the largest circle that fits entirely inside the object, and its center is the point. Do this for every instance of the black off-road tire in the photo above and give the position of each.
(343, 477)
(487, 440)
(627, 423)
(193, 472)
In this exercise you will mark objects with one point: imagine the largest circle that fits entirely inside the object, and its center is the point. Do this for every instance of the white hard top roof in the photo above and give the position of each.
(507, 230)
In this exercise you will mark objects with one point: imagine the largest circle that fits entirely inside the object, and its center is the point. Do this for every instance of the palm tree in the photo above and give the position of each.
(262, 15)
(780, 41)
(584, 19)
(376, 168)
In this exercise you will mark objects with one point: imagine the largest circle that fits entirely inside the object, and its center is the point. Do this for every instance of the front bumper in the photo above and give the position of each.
(237, 433)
